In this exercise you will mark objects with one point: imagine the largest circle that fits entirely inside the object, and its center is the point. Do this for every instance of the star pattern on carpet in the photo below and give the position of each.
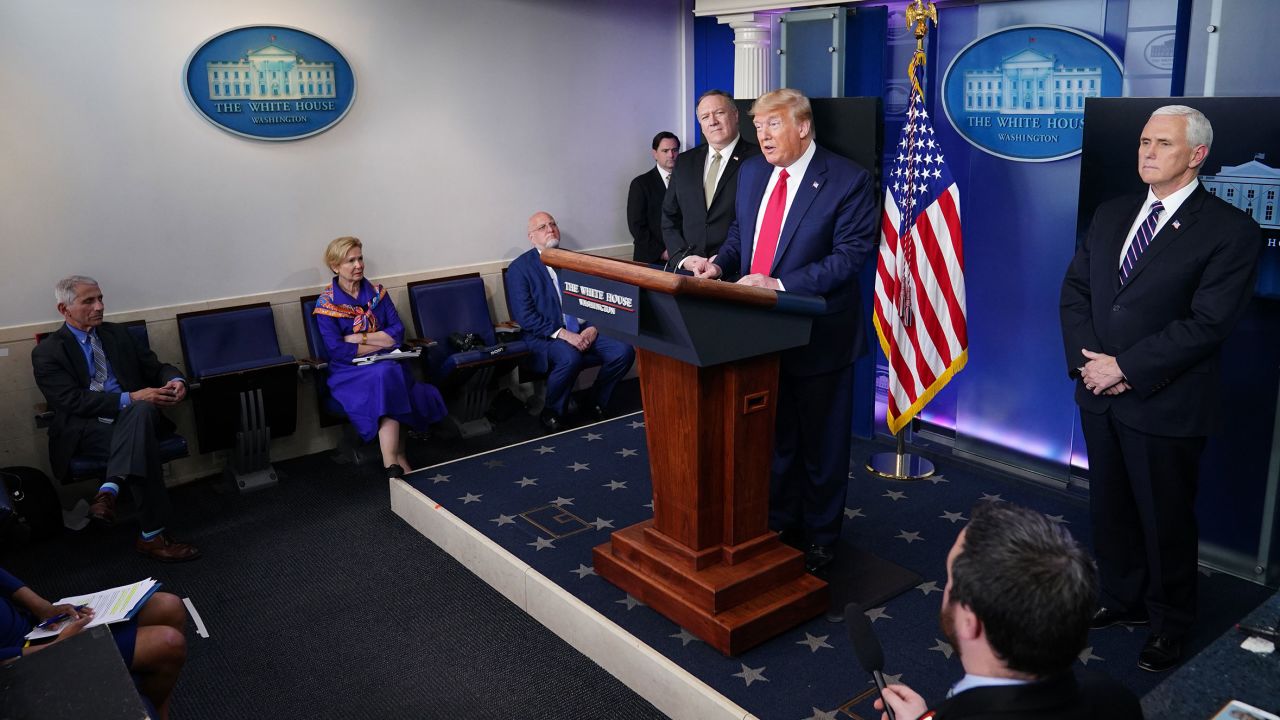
(589, 437)
(626, 452)
(814, 642)
(928, 587)
(579, 466)
(504, 520)
(541, 543)
(439, 478)
(943, 647)
(601, 523)
(561, 501)
(954, 517)
(892, 679)
(987, 497)
(910, 537)
(583, 571)
(1087, 654)
(821, 714)
(616, 485)
(543, 449)
(470, 498)
(1058, 519)
(526, 481)
(878, 614)
(630, 602)
(852, 513)
(636, 424)
(894, 495)
(491, 464)
(685, 637)
(750, 675)
(935, 479)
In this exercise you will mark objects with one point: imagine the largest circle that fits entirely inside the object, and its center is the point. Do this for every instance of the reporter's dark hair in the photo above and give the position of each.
(665, 135)
(1030, 583)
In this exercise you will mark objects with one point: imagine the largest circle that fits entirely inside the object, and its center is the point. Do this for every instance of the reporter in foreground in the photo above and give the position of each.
(1020, 593)
(153, 644)
(356, 318)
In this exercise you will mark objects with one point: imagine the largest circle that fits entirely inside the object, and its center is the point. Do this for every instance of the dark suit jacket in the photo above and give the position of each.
(1091, 696)
(686, 219)
(62, 374)
(644, 216)
(829, 232)
(535, 304)
(1166, 324)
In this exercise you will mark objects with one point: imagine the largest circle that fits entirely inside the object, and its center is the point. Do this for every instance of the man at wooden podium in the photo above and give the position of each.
(805, 222)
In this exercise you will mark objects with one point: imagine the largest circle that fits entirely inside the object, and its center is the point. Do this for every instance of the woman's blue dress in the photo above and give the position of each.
(382, 389)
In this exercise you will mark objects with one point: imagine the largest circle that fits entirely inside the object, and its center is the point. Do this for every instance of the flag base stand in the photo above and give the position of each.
(900, 465)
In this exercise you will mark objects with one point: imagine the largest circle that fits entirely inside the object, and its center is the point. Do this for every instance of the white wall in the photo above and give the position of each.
(469, 115)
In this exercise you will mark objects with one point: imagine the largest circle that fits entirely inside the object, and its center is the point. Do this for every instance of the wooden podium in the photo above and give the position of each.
(708, 358)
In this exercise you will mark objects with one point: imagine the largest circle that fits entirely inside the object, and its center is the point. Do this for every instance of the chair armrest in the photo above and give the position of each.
(310, 363)
(422, 342)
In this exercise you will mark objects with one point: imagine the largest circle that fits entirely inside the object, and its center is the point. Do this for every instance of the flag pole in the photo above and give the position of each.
(901, 465)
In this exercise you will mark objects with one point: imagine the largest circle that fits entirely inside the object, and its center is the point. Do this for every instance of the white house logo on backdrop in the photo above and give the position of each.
(1019, 93)
(1252, 187)
(270, 82)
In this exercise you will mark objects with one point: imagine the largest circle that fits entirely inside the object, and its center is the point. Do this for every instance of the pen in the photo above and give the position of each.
(1263, 632)
(59, 618)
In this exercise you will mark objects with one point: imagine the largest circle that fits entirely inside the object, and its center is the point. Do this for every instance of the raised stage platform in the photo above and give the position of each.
(525, 518)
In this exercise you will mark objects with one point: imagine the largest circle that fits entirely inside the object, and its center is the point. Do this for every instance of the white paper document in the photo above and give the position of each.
(113, 605)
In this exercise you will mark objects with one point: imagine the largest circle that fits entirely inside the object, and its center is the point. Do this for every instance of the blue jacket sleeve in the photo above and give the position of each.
(331, 333)
(524, 304)
(390, 320)
(9, 584)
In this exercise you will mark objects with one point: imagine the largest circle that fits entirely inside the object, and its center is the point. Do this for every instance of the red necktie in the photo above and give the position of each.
(770, 228)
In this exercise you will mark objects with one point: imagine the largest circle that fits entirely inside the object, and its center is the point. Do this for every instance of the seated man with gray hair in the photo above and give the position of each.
(106, 391)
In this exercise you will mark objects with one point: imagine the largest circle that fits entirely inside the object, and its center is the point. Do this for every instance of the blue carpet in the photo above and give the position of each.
(549, 501)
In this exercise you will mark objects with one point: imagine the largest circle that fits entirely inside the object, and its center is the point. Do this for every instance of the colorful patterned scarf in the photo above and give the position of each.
(363, 319)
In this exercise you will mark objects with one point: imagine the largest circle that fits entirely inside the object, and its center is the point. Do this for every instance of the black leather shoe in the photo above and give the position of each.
(1159, 654)
(395, 471)
(1106, 617)
(551, 421)
(818, 557)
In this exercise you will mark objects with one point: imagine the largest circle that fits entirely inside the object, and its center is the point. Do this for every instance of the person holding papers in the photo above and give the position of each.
(356, 318)
(153, 644)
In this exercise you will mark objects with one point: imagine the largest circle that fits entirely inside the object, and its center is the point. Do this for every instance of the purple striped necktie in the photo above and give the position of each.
(1141, 240)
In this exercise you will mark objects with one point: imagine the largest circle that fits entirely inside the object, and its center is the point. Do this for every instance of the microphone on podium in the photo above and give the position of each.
(867, 648)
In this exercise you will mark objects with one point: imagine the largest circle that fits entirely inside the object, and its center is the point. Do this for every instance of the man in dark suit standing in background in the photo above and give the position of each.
(1153, 291)
(106, 391)
(1016, 608)
(644, 201)
(806, 219)
(699, 206)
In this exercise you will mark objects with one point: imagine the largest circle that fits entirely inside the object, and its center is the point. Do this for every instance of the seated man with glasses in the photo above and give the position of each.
(560, 343)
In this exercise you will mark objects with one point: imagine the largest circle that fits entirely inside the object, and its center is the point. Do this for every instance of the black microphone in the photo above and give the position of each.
(867, 648)
(673, 262)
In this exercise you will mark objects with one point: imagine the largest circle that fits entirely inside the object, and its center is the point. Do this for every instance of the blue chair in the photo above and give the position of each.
(172, 446)
(451, 306)
(244, 390)
(351, 449)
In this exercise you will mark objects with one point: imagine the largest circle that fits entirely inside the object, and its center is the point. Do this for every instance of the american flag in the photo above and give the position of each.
(920, 300)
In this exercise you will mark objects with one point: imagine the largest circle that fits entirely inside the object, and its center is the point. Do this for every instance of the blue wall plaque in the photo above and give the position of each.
(1019, 93)
(270, 82)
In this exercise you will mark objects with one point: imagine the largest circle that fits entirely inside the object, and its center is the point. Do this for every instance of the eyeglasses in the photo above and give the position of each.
(546, 225)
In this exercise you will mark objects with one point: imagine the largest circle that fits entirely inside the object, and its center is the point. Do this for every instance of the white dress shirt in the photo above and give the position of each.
(795, 176)
(726, 152)
(1171, 204)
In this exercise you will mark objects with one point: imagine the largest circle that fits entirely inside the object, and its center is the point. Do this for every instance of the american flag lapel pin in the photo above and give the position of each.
(735, 158)
(1177, 224)
(815, 184)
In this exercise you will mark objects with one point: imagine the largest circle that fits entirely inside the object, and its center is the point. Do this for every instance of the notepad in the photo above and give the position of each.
(396, 354)
(109, 606)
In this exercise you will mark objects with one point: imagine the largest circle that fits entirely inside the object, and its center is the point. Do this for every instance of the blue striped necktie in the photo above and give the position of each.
(99, 381)
(1141, 240)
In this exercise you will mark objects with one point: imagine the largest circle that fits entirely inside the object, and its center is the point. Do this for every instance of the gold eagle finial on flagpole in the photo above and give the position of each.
(919, 13)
